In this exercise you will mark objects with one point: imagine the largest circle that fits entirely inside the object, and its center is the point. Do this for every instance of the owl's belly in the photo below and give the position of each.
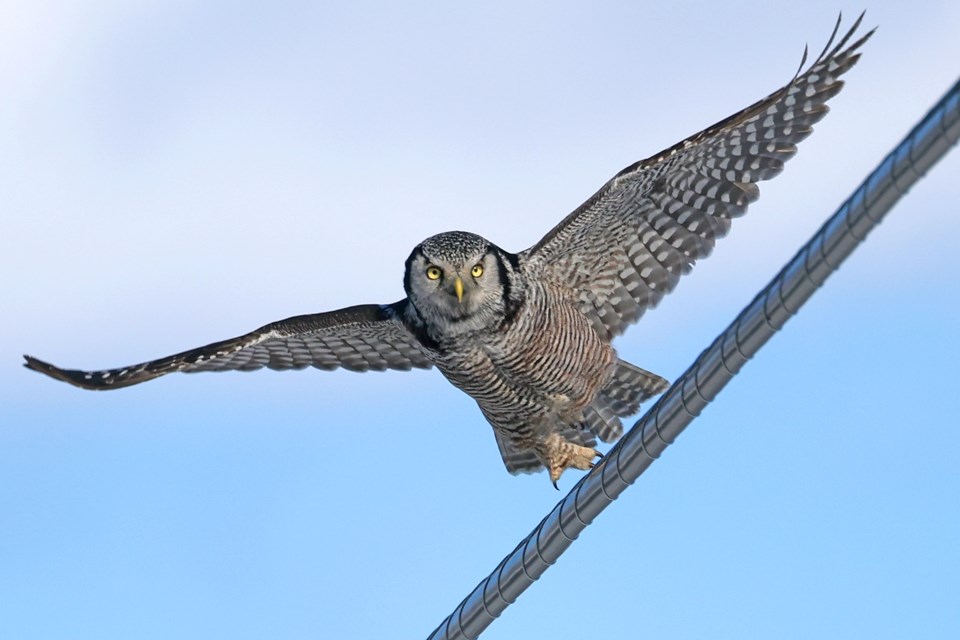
(543, 369)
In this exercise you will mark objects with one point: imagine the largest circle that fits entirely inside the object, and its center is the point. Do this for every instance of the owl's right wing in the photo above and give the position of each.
(361, 338)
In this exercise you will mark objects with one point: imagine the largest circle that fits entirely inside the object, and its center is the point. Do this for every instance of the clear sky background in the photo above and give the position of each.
(173, 173)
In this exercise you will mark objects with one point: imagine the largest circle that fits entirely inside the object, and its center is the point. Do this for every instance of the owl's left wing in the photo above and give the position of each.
(627, 246)
(361, 338)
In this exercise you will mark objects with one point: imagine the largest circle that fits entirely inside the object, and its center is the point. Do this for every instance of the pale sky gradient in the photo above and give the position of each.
(174, 173)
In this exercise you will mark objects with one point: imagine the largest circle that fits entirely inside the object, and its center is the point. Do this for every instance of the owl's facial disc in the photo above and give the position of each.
(455, 287)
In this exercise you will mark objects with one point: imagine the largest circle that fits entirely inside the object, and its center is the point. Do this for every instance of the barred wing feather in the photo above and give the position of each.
(360, 338)
(628, 245)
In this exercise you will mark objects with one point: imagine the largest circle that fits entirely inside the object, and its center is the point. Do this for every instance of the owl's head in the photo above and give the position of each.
(458, 281)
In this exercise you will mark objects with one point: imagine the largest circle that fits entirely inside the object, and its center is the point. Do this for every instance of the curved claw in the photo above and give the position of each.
(554, 482)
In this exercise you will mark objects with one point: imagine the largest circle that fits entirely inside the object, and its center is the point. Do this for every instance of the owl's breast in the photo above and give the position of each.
(549, 363)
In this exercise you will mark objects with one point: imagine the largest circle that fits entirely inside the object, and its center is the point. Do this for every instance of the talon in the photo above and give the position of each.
(599, 455)
(554, 482)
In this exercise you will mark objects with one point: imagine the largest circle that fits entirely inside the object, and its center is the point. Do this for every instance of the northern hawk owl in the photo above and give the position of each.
(528, 335)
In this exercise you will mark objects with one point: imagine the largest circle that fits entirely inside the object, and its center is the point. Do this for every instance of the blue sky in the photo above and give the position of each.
(175, 173)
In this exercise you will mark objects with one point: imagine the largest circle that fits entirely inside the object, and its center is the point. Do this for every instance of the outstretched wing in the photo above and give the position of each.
(361, 338)
(628, 245)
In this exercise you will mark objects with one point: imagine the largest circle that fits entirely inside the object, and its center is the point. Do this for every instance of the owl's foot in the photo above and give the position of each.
(558, 454)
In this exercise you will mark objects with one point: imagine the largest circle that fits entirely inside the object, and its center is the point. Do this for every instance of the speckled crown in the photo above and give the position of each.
(454, 245)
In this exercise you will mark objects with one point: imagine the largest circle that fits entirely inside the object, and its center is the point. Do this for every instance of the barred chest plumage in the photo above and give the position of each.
(544, 367)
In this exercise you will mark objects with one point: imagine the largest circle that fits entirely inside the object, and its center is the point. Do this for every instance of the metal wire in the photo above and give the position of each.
(781, 298)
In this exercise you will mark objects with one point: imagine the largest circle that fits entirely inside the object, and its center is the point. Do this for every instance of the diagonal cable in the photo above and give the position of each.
(929, 141)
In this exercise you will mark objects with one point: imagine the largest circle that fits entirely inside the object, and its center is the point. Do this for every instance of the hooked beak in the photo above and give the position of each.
(458, 288)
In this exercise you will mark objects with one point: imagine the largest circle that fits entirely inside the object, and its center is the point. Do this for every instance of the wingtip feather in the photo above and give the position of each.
(82, 379)
(38, 365)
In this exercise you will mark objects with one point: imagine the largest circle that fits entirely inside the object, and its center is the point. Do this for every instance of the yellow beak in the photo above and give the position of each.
(458, 287)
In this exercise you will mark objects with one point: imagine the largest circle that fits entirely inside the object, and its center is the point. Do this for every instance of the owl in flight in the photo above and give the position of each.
(528, 335)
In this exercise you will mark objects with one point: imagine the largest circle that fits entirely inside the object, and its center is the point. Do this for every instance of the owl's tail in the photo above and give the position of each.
(629, 386)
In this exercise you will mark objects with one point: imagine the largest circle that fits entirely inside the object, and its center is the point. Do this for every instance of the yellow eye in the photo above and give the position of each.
(434, 273)
(477, 271)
